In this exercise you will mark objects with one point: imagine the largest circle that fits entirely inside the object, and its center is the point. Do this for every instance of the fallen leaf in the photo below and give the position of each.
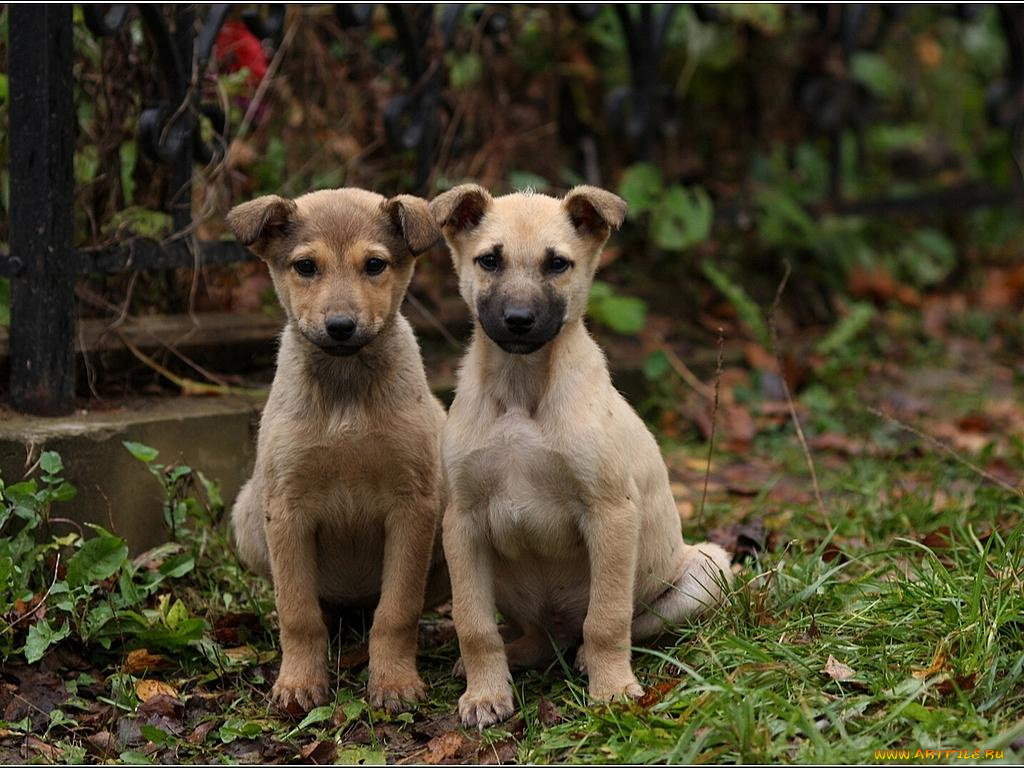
(198, 735)
(147, 689)
(499, 753)
(443, 747)
(833, 554)
(319, 752)
(878, 284)
(40, 747)
(548, 713)
(938, 663)
(141, 660)
(103, 744)
(229, 628)
(938, 539)
(952, 685)
(742, 540)
(974, 422)
(837, 670)
(656, 693)
(354, 657)
(840, 443)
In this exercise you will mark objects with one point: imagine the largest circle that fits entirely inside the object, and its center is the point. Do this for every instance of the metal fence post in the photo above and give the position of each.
(42, 145)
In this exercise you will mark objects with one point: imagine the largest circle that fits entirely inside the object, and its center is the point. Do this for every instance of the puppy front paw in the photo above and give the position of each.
(299, 694)
(395, 693)
(614, 687)
(486, 707)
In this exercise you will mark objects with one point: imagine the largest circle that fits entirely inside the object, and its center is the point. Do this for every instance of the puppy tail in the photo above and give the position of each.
(702, 584)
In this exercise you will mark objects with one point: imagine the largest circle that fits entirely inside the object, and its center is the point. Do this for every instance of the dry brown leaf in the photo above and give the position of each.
(198, 736)
(103, 744)
(939, 659)
(141, 660)
(443, 747)
(319, 752)
(354, 657)
(837, 670)
(499, 753)
(656, 693)
(878, 284)
(147, 689)
(548, 713)
(40, 747)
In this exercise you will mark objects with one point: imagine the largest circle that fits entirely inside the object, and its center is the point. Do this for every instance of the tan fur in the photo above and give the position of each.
(346, 495)
(560, 514)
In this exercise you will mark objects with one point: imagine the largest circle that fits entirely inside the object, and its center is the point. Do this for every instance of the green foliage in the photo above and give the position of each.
(622, 314)
(464, 70)
(86, 587)
(846, 330)
(679, 217)
(926, 258)
(179, 483)
(136, 220)
(747, 309)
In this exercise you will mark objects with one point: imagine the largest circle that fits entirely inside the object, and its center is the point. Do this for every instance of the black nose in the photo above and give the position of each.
(519, 321)
(340, 327)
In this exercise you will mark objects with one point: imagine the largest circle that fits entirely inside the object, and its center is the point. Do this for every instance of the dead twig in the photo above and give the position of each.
(187, 386)
(774, 328)
(681, 369)
(714, 418)
(936, 443)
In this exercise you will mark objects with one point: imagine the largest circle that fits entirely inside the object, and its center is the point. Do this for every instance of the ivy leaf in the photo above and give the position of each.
(40, 637)
(641, 187)
(683, 218)
(622, 314)
(51, 463)
(141, 452)
(98, 559)
(64, 492)
(656, 365)
(317, 715)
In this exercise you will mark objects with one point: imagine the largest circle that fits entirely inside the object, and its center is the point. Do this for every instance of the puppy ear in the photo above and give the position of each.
(460, 208)
(411, 218)
(259, 221)
(594, 212)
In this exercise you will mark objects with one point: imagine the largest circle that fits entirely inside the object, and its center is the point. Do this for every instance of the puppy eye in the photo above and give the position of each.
(375, 266)
(305, 267)
(558, 264)
(489, 262)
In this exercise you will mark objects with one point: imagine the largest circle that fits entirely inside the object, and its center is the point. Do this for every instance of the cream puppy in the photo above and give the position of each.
(559, 512)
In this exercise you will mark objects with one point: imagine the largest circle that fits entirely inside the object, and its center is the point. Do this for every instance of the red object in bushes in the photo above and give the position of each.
(237, 47)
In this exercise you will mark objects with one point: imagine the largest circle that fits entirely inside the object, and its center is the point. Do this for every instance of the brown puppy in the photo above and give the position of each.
(345, 498)
(559, 509)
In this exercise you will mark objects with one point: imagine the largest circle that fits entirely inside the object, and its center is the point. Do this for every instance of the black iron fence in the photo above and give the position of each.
(43, 263)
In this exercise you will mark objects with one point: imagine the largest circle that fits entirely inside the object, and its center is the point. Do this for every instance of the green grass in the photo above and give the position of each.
(915, 582)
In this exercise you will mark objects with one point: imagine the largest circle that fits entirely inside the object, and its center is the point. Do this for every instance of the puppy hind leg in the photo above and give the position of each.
(529, 649)
(702, 584)
(248, 522)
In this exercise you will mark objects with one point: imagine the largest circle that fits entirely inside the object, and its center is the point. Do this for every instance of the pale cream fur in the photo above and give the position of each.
(346, 494)
(560, 514)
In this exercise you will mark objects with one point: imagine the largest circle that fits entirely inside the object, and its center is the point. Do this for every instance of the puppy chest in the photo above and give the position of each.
(527, 500)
